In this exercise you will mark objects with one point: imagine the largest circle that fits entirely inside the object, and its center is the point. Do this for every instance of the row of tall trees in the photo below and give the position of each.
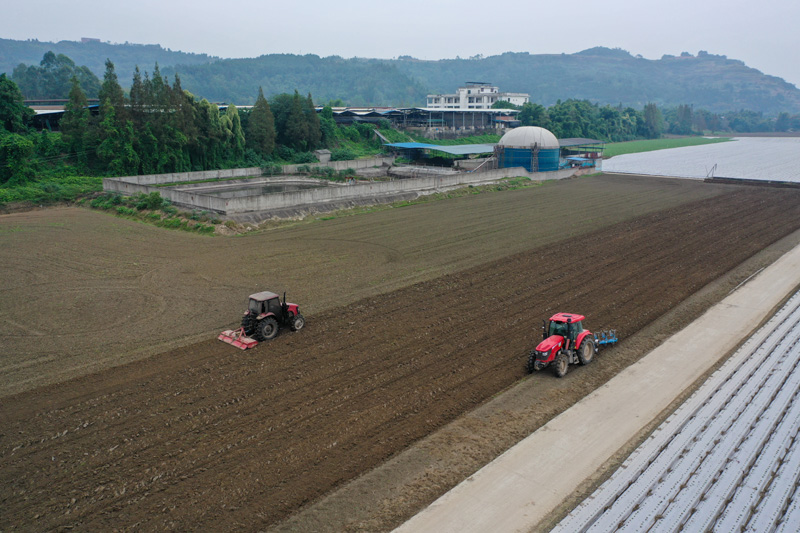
(581, 118)
(159, 128)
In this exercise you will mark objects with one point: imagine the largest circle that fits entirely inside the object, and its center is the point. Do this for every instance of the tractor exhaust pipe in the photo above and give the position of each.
(569, 333)
(544, 331)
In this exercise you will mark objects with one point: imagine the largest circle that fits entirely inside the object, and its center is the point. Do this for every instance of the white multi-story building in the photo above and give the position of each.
(476, 95)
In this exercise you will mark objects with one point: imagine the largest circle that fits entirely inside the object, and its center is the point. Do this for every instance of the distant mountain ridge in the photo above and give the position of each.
(600, 75)
(93, 54)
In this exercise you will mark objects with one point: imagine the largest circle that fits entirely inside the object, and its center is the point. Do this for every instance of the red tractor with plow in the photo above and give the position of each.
(264, 317)
(565, 342)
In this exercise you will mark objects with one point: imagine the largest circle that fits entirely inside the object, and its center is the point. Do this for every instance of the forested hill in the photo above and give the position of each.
(94, 54)
(607, 76)
(600, 75)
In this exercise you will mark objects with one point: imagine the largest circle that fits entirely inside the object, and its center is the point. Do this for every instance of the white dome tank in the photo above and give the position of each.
(527, 136)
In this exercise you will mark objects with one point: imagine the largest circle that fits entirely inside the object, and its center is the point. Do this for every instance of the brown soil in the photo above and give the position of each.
(204, 437)
(83, 290)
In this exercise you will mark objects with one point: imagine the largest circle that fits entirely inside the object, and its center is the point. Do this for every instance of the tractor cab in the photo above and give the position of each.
(264, 303)
(566, 325)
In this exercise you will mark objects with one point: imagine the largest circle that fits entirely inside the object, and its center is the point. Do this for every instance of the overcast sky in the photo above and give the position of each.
(764, 34)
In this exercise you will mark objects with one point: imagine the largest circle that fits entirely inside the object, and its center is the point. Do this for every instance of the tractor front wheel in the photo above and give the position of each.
(249, 324)
(298, 322)
(560, 365)
(267, 329)
(586, 352)
(532, 362)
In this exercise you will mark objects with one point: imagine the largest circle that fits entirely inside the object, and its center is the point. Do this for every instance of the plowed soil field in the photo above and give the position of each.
(83, 290)
(204, 437)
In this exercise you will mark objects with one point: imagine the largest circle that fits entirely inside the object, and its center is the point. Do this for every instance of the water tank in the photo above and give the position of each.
(534, 148)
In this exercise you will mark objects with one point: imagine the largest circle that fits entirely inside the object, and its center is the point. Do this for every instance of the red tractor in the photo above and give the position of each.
(566, 342)
(264, 317)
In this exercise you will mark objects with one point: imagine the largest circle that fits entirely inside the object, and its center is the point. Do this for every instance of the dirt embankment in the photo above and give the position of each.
(205, 437)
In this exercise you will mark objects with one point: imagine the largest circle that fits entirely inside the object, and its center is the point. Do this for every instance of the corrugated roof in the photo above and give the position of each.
(459, 149)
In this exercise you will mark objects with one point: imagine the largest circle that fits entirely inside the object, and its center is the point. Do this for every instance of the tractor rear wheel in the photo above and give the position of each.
(586, 351)
(560, 365)
(267, 329)
(531, 362)
(249, 324)
(298, 322)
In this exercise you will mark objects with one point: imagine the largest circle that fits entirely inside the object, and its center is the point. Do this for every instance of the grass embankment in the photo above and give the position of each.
(50, 190)
(649, 145)
(153, 209)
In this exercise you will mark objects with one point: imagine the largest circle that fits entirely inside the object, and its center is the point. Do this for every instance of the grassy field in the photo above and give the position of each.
(633, 147)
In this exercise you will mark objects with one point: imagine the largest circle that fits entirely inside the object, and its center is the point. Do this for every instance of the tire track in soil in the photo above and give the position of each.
(208, 437)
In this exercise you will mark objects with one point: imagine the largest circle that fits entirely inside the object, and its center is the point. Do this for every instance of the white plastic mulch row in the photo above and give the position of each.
(727, 460)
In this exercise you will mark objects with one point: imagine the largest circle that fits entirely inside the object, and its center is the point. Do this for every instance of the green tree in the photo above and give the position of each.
(533, 115)
(137, 99)
(296, 133)
(281, 107)
(327, 126)
(52, 78)
(233, 130)
(682, 125)
(505, 104)
(111, 91)
(313, 129)
(75, 122)
(653, 121)
(14, 115)
(261, 132)
(115, 150)
(15, 157)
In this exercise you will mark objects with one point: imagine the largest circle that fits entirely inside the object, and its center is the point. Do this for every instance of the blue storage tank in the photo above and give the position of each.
(534, 148)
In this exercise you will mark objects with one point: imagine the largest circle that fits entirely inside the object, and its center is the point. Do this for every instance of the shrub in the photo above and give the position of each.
(154, 201)
(324, 172)
(304, 157)
(271, 169)
(343, 154)
(284, 153)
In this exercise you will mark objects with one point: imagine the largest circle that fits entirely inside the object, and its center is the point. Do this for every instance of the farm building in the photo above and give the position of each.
(533, 148)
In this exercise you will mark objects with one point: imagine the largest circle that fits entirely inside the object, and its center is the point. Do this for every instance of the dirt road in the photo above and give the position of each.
(204, 437)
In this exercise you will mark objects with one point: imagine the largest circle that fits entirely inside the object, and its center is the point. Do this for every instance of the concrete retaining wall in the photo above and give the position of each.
(376, 189)
(323, 195)
(343, 165)
(250, 172)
